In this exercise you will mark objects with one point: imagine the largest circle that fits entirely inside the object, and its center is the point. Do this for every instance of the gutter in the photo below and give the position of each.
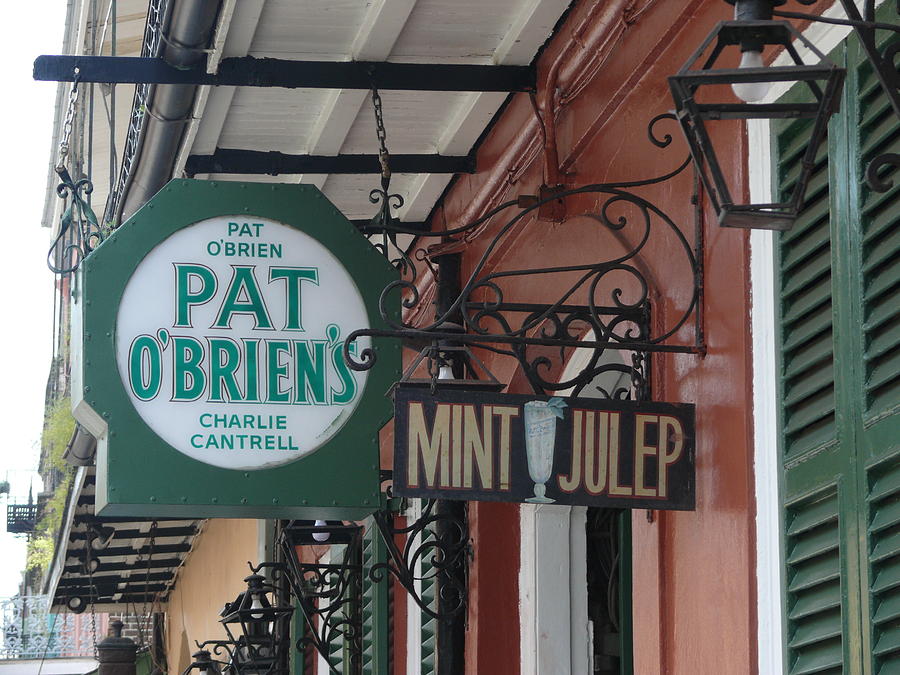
(61, 550)
(168, 110)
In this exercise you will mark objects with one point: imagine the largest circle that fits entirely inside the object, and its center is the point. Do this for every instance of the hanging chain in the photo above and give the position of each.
(144, 614)
(93, 593)
(68, 124)
(79, 232)
(381, 133)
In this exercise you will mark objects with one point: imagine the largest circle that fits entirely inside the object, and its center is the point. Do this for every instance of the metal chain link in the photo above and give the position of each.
(93, 595)
(144, 614)
(68, 123)
(381, 133)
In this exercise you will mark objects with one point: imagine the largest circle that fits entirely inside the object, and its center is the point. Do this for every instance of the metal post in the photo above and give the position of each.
(116, 654)
(451, 631)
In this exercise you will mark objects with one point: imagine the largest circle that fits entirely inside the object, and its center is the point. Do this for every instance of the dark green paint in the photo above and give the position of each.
(139, 474)
(840, 387)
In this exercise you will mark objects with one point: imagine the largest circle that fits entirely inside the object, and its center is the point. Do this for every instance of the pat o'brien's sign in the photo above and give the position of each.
(506, 447)
(212, 341)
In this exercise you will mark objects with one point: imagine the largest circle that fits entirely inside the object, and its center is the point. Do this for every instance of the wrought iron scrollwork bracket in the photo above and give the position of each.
(436, 540)
(603, 305)
(328, 597)
(79, 232)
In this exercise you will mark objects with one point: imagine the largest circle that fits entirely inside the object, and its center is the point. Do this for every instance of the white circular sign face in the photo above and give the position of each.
(229, 342)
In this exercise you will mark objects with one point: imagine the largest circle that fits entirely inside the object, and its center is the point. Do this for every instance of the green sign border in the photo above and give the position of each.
(139, 474)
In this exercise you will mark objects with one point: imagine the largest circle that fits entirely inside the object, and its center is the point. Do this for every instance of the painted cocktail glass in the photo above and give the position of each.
(540, 438)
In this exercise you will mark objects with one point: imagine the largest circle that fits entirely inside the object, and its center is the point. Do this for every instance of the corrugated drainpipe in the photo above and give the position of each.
(190, 26)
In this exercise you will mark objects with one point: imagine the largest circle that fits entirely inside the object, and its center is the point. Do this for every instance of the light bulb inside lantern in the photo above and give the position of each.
(256, 604)
(445, 373)
(321, 536)
(750, 92)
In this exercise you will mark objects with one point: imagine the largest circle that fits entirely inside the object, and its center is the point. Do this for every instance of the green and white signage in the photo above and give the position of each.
(211, 337)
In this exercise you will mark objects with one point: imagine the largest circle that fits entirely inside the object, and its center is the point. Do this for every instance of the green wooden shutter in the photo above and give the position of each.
(428, 626)
(811, 452)
(877, 243)
(839, 275)
(375, 610)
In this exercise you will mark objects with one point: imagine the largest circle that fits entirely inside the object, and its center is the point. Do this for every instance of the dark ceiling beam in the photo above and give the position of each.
(108, 589)
(121, 535)
(125, 551)
(89, 518)
(124, 601)
(156, 563)
(257, 162)
(139, 576)
(248, 71)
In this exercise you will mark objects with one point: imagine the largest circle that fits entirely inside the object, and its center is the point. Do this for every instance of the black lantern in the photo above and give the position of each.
(448, 366)
(256, 628)
(202, 664)
(699, 99)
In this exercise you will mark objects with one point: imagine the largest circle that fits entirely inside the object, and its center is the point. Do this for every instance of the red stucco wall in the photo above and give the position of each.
(694, 606)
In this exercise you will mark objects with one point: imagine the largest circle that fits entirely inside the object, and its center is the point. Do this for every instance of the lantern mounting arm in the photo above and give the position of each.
(327, 596)
(436, 539)
(882, 61)
(865, 26)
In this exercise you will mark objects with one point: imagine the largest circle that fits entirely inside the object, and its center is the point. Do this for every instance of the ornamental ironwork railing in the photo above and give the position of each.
(29, 631)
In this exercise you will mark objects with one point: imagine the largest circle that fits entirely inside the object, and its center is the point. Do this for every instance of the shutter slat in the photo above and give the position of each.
(814, 544)
(822, 659)
(886, 547)
(809, 603)
(875, 202)
(806, 235)
(879, 285)
(886, 372)
(888, 641)
(886, 483)
(813, 514)
(815, 383)
(884, 250)
(812, 272)
(887, 515)
(886, 578)
(817, 297)
(814, 572)
(881, 314)
(882, 344)
(880, 132)
(822, 627)
(888, 609)
(810, 355)
(814, 409)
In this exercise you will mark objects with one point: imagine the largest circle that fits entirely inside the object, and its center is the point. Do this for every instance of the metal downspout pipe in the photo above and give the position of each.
(190, 26)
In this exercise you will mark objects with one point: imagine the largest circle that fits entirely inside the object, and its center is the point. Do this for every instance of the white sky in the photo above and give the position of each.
(26, 119)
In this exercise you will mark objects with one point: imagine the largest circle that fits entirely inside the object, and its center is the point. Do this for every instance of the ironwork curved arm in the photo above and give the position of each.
(607, 299)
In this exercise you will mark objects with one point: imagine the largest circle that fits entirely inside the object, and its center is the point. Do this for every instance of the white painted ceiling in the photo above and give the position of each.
(334, 121)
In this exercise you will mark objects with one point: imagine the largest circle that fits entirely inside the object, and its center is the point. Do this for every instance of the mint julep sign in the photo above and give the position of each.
(223, 309)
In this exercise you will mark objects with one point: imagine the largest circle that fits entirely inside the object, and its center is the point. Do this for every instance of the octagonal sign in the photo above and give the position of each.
(209, 331)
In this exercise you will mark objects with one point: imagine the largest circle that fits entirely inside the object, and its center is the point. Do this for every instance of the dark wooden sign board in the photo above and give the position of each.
(473, 445)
